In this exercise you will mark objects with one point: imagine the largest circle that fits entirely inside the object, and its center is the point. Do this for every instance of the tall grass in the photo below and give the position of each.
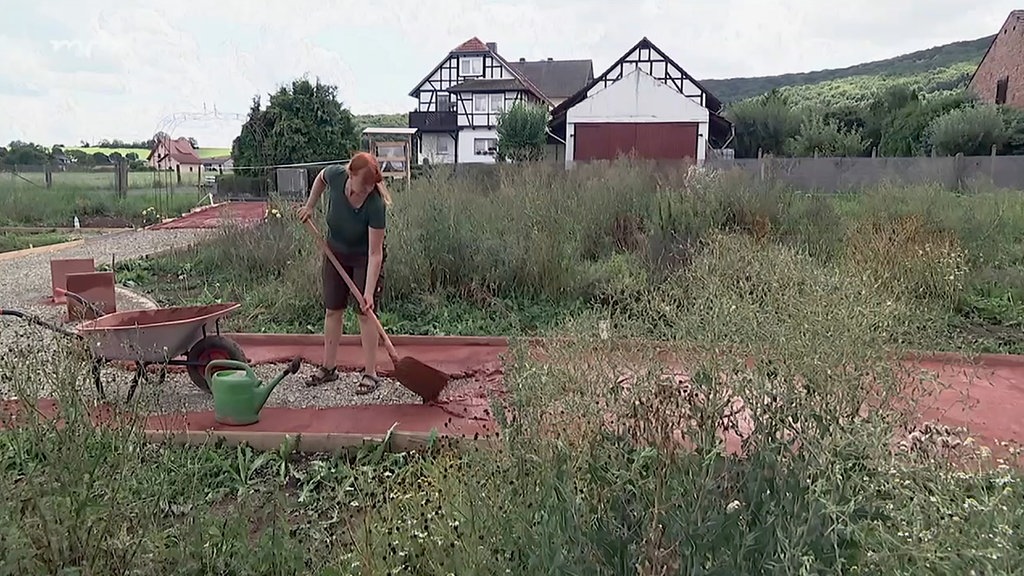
(756, 441)
(59, 205)
(526, 247)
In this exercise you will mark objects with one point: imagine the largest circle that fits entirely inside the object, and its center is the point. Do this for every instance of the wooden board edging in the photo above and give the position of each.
(48, 249)
(313, 442)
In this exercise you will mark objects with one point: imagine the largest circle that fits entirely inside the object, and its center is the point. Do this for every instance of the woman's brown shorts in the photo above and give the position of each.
(336, 291)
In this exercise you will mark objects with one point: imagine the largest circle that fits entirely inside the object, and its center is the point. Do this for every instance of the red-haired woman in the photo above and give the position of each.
(357, 202)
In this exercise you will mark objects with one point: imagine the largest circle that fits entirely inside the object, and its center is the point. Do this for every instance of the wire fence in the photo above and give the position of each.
(202, 180)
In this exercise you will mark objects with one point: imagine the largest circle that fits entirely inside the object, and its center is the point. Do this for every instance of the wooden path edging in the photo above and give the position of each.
(48, 249)
(313, 443)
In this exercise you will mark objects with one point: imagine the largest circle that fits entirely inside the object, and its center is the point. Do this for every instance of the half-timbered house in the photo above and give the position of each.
(643, 104)
(459, 101)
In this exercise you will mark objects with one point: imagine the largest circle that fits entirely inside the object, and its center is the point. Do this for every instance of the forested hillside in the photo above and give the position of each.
(941, 67)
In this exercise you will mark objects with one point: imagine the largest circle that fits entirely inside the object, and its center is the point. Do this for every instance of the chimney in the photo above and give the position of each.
(522, 59)
(493, 47)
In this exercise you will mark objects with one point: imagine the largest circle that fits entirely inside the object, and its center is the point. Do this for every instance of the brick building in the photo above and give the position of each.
(999, 78)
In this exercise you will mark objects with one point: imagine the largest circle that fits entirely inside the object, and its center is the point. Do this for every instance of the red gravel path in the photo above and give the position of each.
(214, 216)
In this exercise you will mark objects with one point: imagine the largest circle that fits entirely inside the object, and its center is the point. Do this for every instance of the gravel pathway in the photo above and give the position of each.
(23, 281)
(32, 358)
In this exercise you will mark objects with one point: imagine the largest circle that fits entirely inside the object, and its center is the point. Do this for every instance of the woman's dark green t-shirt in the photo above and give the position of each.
(348, 228)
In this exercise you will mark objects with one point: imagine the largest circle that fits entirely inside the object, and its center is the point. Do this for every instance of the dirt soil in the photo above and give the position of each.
(104, 222)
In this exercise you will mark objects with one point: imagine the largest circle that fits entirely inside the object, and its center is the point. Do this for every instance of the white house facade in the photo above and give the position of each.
(644, 105)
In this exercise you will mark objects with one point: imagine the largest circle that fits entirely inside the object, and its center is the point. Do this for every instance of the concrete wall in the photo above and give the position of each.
(856, 173)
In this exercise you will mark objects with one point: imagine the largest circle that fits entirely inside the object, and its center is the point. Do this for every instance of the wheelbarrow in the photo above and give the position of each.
(174, 336)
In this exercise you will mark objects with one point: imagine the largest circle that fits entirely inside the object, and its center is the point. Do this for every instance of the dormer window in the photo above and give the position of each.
(471, 66)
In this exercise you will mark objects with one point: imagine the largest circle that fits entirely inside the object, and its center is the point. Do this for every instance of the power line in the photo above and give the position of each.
(299, 165)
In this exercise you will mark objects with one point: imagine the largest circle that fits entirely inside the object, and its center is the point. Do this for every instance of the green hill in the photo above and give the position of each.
(938, 68)
(946, 67)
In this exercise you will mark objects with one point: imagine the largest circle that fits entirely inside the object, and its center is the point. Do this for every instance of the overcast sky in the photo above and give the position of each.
(85, 69)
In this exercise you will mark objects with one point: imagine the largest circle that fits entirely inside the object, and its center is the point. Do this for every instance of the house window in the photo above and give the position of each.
(1001, 87)
(442, 145)
(471, 66)
(484, 146)
(488, 103)
(481, 103)
(444, 103)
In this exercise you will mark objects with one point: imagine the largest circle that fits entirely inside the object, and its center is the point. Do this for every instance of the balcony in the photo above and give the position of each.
(434, 121)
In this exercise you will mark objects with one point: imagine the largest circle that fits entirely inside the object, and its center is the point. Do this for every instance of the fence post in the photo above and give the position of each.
(958, 171)
(122, 177)
(874, 151)
(177, 170)
(992, 165)
(48, 175)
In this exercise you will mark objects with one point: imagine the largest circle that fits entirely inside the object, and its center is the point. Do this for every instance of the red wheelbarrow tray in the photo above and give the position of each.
(154, 335)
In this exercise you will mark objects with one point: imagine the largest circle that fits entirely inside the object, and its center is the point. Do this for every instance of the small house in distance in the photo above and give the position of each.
(644, 104)
(999, 78)
(168, 154)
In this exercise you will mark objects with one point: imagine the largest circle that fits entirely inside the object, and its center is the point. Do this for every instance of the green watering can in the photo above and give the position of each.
(238, 395)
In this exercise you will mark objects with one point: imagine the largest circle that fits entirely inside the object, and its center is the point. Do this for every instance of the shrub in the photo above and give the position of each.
(970, 131)
(822, 137)
(522, 133)
(236, 185)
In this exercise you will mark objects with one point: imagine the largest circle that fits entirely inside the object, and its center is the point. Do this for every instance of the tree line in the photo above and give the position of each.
(306, 122)
(19, 153)
(898, 121)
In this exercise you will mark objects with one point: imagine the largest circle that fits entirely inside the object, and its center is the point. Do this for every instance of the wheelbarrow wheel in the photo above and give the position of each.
(207, 350)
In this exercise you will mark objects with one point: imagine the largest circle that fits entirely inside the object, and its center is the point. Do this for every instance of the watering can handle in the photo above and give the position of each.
(232, 364)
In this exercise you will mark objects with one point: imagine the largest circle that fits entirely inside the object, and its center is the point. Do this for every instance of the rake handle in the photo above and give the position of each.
(352, 288)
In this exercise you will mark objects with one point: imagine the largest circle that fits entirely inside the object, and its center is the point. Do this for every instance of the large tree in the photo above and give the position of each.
(302, 122)
(522, 133)
(25, 154)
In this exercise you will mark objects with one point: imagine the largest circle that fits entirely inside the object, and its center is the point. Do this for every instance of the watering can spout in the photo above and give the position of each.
(262, 391)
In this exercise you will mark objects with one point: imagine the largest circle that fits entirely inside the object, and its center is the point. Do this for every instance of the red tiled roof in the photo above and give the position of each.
(180, 150)
(474, 44)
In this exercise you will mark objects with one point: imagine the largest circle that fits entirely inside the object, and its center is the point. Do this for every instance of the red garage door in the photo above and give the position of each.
(652, 141)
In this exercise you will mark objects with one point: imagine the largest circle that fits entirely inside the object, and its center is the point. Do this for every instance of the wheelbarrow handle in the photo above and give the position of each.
(232, 364)
(39, 322)
(82, 301)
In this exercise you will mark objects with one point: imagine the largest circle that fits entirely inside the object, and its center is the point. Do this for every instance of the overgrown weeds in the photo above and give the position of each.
(519, 250)
(59, 206)
(756, 440)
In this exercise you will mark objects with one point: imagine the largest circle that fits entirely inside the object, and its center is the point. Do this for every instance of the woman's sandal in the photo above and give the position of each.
(367, 384)
(322, 376)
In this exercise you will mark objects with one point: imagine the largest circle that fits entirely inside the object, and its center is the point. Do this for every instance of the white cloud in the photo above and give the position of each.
(84, 69)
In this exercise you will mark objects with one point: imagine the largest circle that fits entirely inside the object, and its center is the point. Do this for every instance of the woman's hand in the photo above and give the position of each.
(368, 302)
(305, 213)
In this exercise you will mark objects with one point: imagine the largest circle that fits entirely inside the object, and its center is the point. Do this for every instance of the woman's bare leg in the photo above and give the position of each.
(334, 323)
(369, 337)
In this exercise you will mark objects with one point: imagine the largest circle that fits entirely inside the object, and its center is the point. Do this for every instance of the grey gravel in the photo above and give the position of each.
(32, 358)
(179, 394)
(25, 282)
